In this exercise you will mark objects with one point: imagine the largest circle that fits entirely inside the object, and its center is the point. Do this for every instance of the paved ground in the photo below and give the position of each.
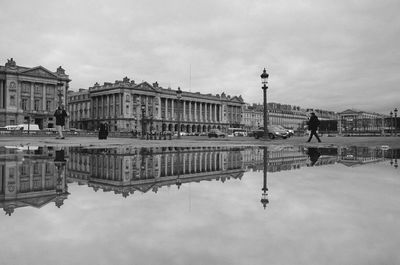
(393, 142)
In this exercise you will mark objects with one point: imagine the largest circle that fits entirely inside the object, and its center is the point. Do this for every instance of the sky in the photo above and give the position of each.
(324, 54)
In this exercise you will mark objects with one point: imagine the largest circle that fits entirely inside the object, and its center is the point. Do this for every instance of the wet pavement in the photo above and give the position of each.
(200, 204)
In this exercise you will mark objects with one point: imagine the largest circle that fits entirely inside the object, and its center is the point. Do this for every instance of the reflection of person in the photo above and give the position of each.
(60, 115)
(103, 131)
(313, 125)
(314, 154)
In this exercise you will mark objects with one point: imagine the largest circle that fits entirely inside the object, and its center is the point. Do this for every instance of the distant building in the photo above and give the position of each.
(128, 106)
(352, 121)
(31, 94)
(278, 114)
(79, 109)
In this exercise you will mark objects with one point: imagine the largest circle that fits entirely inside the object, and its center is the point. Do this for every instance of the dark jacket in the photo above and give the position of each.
(60, 115)
(313, 123)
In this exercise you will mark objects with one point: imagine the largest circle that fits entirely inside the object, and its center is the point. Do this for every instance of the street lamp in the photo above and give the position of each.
(264, 80)
(179, 96)
(143, 108)
(60, 94)
(391, 123)
(395, 122)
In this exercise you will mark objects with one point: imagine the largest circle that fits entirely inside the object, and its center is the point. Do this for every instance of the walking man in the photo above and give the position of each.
(313, 125)
(60, 115)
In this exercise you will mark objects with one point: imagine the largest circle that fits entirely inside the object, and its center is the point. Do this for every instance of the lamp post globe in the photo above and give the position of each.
(264, 80)
(179, 96)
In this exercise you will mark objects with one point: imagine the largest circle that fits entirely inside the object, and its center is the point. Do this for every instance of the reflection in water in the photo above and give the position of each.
(264, 196)
(32, 177)
(37, 176)
(314, 154)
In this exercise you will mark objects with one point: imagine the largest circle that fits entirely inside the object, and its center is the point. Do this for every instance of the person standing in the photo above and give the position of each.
(313, 125)
(60, 115)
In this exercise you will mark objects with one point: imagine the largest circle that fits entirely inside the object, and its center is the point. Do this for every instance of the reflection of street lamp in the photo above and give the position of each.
(391, 123)
(264, 81)
(179, 96)
(143, 108)
(178, 182)
(264, 196)
(395, 122)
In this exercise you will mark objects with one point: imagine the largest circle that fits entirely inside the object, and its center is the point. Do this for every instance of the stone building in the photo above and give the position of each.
(128, 106)
(31, 94)
(79, 109)
(353, 121)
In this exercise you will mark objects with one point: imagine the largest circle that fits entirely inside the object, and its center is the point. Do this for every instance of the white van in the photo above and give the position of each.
(23, 127)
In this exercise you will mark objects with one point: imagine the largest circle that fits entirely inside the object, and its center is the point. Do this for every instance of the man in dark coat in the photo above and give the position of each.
(313, 125)
(60, 115)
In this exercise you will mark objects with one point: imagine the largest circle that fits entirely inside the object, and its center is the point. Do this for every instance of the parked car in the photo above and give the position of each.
(216, 133)
(273, 132)
(290, 131)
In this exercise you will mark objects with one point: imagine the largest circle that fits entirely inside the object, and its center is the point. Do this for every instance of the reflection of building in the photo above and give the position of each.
(127, 170)
(120, 105)
(285, 158)
(30, 178)
(356, 156)
(30, 94)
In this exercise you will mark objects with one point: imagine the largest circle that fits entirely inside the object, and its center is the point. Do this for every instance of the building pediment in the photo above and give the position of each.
(146, 87)
(38, 202)
(350, 111)
(39, 71)
(236, 99)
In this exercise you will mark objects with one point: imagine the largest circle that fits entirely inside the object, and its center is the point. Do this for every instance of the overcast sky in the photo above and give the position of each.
(323, 54)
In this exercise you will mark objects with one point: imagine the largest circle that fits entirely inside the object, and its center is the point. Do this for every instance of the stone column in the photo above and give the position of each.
(195, 111)
(184, 110)
(172, 110)
(215, 113)
(190, 111)
(32, 98)
(201, 111)
(44, 97)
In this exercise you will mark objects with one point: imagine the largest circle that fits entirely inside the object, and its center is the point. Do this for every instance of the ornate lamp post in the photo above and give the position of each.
(60, 93)
(143, 108)
(395, 122)
(264, 197)
(264, 81)
(391, 123)
(179, 96)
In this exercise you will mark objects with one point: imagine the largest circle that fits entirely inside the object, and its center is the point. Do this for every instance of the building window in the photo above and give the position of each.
(26, 88)
(48, 105)
(12, 100)
(50, 90)
(38, 89)
(24, 104)
(37, 104)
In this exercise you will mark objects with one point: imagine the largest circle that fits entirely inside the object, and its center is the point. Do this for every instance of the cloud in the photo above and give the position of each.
(320, 54)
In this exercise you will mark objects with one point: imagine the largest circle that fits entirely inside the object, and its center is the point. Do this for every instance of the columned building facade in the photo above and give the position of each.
(127, 106)
(79, 109)
(31, 95)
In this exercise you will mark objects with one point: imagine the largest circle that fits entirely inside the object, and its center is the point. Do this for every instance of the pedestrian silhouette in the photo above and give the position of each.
(313, 125)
